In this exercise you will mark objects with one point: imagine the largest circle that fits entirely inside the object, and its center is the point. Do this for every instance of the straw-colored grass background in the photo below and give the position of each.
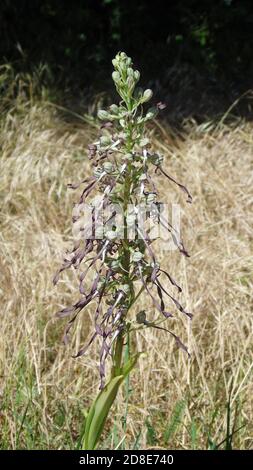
(173, 402)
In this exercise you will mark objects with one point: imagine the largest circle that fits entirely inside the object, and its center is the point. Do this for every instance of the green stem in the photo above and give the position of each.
(122, 360)
(136, 297)
(127, 385)
(118, 350)
(117, 356)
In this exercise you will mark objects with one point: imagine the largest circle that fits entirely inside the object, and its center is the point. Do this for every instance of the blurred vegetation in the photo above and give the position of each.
(206, 43)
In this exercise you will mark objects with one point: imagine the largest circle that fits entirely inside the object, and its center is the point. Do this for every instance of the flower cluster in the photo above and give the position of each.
(124, 168)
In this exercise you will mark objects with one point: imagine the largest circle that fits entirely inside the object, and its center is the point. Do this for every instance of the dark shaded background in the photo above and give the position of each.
(195, 54)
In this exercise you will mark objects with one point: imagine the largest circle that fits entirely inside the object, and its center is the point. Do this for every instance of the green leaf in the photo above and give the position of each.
(101, 406)
(126, 369)
(99, 411)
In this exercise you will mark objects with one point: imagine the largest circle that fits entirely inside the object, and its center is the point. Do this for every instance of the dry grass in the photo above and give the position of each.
(43, 390)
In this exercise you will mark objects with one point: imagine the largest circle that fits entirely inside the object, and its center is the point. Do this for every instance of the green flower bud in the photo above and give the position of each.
(144, 142)
(130, 72)
(147, 95)
(137, 256)
(103, 115)
(105, 140)
(108, 167)
(114, 108)
(130, 83)
(116, 77)
(125, 288)
(98, 172)
(136, 75)
(115, 265)
(151, 114)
